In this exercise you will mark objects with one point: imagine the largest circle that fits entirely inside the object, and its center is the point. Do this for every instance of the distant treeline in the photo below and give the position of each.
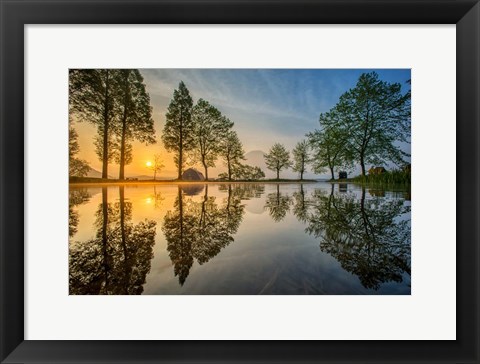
(363, 128)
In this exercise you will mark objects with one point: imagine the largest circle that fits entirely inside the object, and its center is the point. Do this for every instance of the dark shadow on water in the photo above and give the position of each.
(367, 236)
(118, 259)
(200, 230)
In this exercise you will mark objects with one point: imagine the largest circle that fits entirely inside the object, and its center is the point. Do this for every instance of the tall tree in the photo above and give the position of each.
(377, 115)
(278, 158)
(135, 120)
(231, 150)
(179, 129)
(210, 129)
(76, 166)
(300, 157)
(92, 99)
(329, 144)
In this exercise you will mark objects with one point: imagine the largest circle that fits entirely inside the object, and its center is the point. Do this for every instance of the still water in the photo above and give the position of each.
(313, 238)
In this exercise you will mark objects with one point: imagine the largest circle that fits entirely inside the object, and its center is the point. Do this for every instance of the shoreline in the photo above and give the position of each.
(173, 182)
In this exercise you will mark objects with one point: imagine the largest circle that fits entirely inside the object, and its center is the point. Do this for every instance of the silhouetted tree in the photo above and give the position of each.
(300, 158)
(210, 129)
(278, 158)
(92, 99)
(231, 150)
(76, 167)
(178, 132)
(157, 165)
(135, 119)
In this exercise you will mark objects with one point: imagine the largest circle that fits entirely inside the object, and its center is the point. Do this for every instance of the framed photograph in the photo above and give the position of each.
(240, 181)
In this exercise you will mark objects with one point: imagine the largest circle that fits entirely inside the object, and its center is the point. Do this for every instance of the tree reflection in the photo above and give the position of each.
(368, 237)
(278, 205)
(118, 259)
(76, 197)
(200, 230)
(300, 205)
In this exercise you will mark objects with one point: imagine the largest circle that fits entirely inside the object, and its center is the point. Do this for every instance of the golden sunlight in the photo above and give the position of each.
(148, 164)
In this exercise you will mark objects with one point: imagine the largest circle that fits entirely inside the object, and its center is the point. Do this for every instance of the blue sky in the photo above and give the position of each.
(266, 105)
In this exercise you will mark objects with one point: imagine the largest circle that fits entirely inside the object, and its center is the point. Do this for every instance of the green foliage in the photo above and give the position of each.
(278, 158)
(301, 157)
(329, 144)
(376, 115)
(178, 132)
(210, 129)
(231, 151)
(388, 178)
(247, 173)
(364, 127)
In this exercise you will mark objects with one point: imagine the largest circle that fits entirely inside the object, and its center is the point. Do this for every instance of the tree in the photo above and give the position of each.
(179, 129)
(300, 157)
(329, 144)
(210, 129)
(76, 167)
(92, 99)
(231, 150)
(157, 165)
(246, 172)
(135, 120)
(377, 116)
(278, 158)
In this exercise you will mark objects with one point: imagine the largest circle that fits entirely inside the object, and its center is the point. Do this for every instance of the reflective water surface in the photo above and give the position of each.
(313, 238)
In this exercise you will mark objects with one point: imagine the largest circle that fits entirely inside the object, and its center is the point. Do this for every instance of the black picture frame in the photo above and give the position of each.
(15, 14)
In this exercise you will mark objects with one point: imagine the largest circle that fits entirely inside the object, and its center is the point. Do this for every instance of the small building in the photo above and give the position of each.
(192, 174)
(377, 170)
(342, 175)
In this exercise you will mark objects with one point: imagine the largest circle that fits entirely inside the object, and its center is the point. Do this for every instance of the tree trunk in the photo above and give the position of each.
(121, 175)
(301, 176)
(229, 170)
(331, 171)
(362, 164)
(154, 174)
(105, 127)
(206, 169)
(180, 149)
(278, 174)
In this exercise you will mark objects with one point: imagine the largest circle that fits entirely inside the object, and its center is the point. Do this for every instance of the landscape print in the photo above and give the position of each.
(239, 181)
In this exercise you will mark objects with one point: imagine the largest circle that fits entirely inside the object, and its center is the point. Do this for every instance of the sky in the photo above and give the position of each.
(266, 106)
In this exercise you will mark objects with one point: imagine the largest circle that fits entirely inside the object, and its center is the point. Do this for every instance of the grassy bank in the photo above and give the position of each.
(389, 178)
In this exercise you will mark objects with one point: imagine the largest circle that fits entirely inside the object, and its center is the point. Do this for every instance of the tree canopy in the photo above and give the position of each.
(278, 158)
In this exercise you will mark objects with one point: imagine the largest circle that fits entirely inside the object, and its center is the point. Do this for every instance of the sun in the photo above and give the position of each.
(148, 164)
